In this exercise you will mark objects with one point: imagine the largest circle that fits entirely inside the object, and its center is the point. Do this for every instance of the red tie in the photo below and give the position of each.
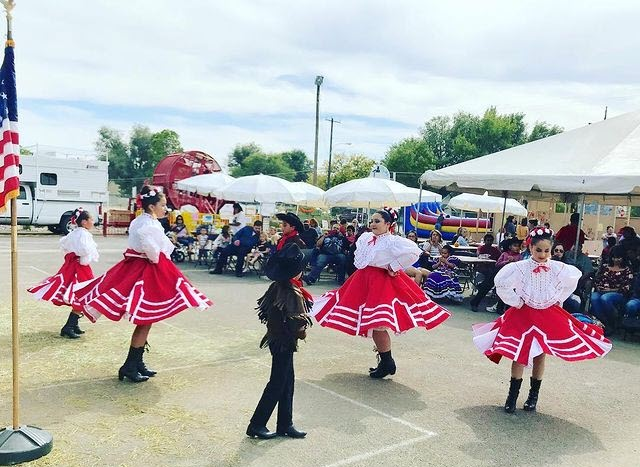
(540, 268)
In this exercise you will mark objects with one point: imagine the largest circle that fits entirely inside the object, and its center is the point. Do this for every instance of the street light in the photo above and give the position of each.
(319, 80)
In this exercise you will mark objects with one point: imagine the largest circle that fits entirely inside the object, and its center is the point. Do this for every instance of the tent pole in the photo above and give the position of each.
(504, 209)
(577, 243)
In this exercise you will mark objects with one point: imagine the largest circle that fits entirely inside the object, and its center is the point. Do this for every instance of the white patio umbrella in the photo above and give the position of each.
(205, 184)
(375, 192)
(260, 189)
(309, 195)
(487, 204)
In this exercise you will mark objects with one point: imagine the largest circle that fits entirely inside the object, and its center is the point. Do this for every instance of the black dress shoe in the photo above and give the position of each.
(259, 432)
(69, 332)
(291, 432)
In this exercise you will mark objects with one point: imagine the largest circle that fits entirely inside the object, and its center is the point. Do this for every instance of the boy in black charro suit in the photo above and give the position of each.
(283, 308)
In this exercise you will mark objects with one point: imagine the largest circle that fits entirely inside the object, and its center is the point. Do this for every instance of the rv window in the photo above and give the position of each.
(48, 179)
(23, 193)
(19, 169)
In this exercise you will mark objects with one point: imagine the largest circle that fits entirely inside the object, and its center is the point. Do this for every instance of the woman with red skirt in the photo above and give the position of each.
(379, 297)
(145, 287)
(80, 250)
(536, 325)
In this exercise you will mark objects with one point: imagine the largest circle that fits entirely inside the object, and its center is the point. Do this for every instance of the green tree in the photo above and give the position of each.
(409, 158)
(264, 164)
(542, 130)
(345, 168)
(131, 163)
(241, 152)
(298, 161)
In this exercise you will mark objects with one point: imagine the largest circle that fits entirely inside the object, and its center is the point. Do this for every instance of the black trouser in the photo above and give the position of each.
(279, 390)
(232, 250)
(484, 287)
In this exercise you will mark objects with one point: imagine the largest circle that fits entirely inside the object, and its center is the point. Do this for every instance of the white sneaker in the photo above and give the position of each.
(492, 309)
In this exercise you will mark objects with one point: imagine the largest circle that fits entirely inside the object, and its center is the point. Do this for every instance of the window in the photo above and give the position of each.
(48, 179)
(23, 193)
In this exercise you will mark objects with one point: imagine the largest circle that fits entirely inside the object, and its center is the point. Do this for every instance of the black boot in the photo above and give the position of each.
(130, 367)
(142, 368)
(514, 390)
(68, 330)
(76, 328)
(386, 366)
(532, 400)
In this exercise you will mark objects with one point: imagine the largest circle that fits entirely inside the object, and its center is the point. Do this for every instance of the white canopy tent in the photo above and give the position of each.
(487, 204)
(600, 161)
(205, 184)
(375, 192)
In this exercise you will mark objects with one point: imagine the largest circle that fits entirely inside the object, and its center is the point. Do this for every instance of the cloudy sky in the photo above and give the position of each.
(222, 73)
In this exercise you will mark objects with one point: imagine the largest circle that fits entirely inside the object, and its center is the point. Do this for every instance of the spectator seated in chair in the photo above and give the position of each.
(612, 286)
(332, 249)
(488, 271)
(415, 271)
(261, 250)
(243, 241)
(182, 233)
(442, 282)
(585, 265)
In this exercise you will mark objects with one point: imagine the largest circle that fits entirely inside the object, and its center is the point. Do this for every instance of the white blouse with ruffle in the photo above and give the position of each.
(385, 251)
(80, 241)
(147, 236)
(538, 285)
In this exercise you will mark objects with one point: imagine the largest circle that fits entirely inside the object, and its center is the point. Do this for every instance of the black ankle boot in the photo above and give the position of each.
(514, 390)
(386, 366)
(76, 328)
(532, 400)
(68, 330)
(130, 367)
(142, 368)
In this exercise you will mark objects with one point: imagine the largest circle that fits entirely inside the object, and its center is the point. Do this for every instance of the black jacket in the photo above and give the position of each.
(284, 310)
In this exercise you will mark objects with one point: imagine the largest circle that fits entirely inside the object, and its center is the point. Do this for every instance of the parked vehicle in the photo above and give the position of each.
(52, 186)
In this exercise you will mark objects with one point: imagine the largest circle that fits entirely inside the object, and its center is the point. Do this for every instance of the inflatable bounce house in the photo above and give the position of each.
(423, 219)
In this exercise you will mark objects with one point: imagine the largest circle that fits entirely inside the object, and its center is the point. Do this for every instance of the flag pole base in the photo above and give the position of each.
(24, 444)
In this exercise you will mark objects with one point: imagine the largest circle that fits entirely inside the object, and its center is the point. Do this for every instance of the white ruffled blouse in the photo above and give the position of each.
(385, 251)
(147, 236)
(80, 241)
(539, 285)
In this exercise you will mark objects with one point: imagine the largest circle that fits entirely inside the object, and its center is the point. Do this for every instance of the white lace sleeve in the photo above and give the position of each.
(405, 253)
(364, 252)
(568, 276)
(507, 281)
(154, 242)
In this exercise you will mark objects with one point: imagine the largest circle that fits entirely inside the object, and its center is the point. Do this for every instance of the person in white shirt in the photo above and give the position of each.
(80, 250)
(380, 297)
(239, 219)
(536, 324)
(145, 287)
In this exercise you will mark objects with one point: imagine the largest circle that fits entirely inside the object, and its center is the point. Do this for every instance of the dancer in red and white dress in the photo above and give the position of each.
(535, 324)
(80, 250)
(379, 297)
(145, 287)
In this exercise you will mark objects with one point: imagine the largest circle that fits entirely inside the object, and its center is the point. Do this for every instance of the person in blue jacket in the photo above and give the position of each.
(243, 241)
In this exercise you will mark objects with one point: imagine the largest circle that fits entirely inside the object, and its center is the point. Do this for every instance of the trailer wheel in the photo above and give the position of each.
(64, 227)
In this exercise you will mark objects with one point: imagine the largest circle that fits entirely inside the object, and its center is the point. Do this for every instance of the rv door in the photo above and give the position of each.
(24, 202)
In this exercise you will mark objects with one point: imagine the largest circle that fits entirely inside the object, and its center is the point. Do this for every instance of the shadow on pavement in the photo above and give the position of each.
(524, 438)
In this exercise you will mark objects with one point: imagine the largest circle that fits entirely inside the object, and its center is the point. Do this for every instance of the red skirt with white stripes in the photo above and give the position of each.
(58, 289)
(522, 334)
(372, 299)
(140, 290)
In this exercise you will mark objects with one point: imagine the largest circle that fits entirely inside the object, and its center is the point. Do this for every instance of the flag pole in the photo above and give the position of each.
(19, 443)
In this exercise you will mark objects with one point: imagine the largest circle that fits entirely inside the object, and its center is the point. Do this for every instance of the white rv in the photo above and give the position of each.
(52, 186)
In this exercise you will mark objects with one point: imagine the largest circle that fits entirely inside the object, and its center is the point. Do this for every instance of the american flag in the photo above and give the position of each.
(9, 147)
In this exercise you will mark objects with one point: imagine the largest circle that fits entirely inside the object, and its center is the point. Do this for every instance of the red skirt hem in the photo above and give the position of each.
(372, 299)
(522, 334)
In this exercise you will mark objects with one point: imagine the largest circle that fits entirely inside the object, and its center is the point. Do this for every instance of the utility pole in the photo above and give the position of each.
(332, 120)
(319, 80)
